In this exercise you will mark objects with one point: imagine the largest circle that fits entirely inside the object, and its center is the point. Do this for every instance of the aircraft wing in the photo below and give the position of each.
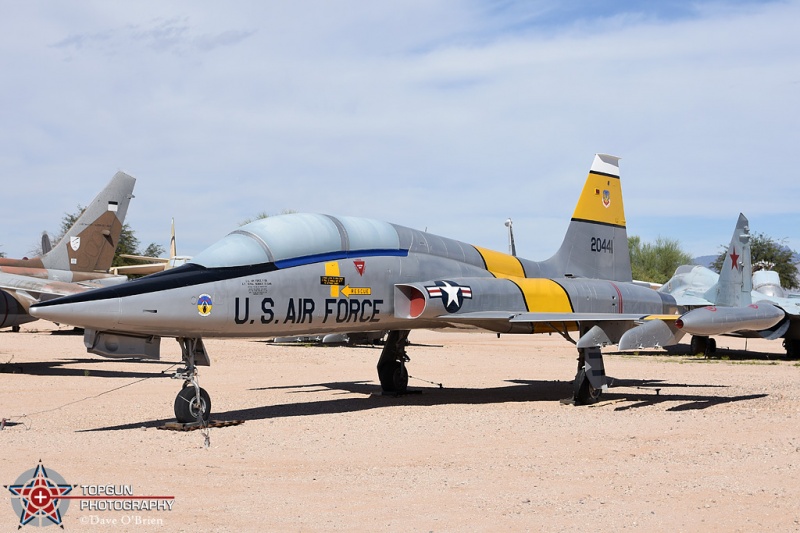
(628, 331)
(29, 290)
(588, 317)
(685, 300)
(790, 306)
(474, 302)
(140, 270)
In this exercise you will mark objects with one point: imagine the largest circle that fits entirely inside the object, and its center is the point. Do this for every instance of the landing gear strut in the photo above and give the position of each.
(392, 371)
(591, 377)
(193, 404)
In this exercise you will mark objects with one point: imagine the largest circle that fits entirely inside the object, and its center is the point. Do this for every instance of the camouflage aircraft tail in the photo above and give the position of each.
(596, 242)
(736, 277)
(89, 245)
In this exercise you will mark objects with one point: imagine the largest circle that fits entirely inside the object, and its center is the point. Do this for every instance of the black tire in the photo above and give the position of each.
(188, 409)
(400, 378)
(711, 347)
(393, 376)
(699, 345)
(583, 392)
(792, 348)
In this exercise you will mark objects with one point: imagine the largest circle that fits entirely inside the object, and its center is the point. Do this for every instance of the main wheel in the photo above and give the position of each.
(792, 348)
(699, 345)
(583, 392)
(189, 408)
(400, 378)
(711, 347)
(393, 376)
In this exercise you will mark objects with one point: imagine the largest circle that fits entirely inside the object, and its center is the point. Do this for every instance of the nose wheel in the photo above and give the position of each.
(193, 404)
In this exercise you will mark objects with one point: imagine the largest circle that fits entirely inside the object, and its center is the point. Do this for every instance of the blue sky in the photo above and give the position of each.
(449, 116)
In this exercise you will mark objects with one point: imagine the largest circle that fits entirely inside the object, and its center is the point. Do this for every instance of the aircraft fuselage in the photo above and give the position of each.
(343, 291)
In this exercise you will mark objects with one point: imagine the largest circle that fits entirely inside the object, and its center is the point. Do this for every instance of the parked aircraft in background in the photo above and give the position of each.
(299, 274)
(79, 261)
(727, 304)
(151, 265)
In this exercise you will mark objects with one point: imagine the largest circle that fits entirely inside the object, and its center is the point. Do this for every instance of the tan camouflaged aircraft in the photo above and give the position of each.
(80, 261)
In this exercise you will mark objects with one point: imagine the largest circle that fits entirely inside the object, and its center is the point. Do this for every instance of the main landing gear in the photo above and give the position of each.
(703, 345)
(392, 370)
(193, 404)
(591, 377)
(792, 347)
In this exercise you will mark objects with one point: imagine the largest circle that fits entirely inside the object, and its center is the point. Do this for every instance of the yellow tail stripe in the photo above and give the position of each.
(601, 201)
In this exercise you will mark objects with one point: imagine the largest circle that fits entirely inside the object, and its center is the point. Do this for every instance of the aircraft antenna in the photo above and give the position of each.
(512, 248)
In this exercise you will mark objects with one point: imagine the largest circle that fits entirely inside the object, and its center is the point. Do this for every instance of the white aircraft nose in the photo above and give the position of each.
(91, 314)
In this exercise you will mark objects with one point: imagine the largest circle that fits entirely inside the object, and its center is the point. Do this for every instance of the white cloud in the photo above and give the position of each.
(446, 115)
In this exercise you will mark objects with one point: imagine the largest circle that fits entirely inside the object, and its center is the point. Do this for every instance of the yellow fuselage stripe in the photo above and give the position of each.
(543, 295)
(500, 264)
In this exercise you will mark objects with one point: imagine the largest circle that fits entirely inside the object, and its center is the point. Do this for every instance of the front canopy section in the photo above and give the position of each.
(286, 237)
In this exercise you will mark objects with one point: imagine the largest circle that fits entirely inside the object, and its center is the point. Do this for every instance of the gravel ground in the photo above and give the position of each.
(679, 444)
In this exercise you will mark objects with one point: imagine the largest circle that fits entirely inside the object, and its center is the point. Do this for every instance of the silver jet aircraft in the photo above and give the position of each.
(79, 261)
(299, 274)
(726, 303)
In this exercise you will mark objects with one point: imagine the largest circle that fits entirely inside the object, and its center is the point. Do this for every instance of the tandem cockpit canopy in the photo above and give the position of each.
(283, 238)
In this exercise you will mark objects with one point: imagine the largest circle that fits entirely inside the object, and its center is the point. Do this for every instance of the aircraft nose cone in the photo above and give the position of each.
(88, 314)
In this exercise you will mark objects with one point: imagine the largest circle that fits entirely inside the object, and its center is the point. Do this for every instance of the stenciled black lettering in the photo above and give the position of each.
(266, 308)
(328, 311)
(308, 311)
(291, 314)
(246, 311)
(375, 310)
(364, 305)
(355, 305)
(341, 311)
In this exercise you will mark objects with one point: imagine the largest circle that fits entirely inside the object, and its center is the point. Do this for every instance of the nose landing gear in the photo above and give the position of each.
(193, 404)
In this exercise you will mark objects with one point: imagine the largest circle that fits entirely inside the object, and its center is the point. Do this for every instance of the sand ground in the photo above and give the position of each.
(680, 444)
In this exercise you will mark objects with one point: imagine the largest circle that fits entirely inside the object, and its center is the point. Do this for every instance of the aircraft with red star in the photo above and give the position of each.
(727, 303)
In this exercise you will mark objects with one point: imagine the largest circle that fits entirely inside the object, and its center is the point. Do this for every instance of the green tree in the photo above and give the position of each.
(656, 262)
(767, 254)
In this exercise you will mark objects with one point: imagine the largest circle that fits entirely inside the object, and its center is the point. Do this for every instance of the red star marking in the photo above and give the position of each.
(734, 259)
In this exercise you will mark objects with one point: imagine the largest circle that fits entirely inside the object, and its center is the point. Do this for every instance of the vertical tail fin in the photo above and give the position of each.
(173, 248)
(736, 277)
(596, 243)
(89, 245)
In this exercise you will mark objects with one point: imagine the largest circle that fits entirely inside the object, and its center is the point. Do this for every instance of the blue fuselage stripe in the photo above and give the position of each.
(192, 274)
(335, 256)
